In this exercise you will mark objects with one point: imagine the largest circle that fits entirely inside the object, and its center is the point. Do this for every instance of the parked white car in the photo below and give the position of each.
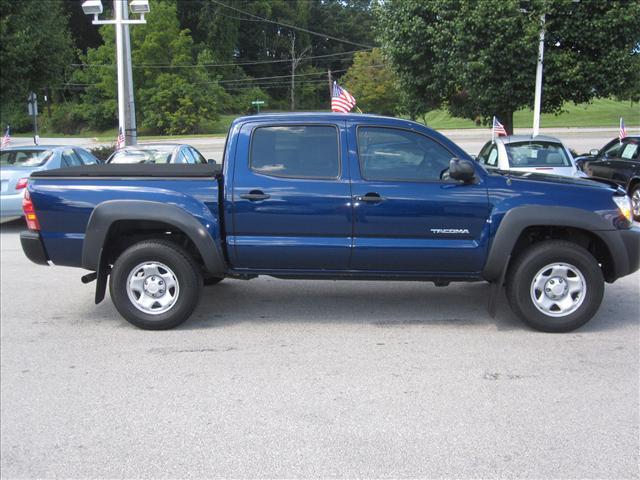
(525, 153)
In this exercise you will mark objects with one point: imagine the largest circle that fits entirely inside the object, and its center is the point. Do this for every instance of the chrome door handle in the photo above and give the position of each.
(370, 198)
(255, 195)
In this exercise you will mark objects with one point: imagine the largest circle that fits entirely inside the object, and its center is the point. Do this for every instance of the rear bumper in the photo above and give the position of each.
(11, 206)
(33, 247)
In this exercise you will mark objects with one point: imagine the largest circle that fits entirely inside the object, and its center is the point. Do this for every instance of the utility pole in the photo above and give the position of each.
(538, 95)
(295, 61)
(330, 85)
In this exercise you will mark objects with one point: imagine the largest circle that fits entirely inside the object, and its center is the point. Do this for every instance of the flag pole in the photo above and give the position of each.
(493, 130)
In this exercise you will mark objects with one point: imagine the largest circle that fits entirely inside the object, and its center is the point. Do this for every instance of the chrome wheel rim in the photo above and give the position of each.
(152, 288)
(558, 289)
(635, 202)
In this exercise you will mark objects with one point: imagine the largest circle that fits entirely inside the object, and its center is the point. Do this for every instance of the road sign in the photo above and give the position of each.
(257, 104)
(32, 104)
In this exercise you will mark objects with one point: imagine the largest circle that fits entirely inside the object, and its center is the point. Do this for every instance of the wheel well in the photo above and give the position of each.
(588, 240)
(124, 233)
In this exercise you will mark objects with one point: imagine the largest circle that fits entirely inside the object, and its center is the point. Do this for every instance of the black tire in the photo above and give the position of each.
(530, 263)
(183, 268)
(634, 194)
(209, 281)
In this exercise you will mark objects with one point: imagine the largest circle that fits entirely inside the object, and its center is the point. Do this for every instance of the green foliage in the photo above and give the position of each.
(35, 51)
(479, 58)
(372, 83)
(68, 118)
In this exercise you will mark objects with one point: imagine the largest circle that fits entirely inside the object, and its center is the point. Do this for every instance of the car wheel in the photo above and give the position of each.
(635, 201)
(212, 281)
(555, 286)
(155, 285)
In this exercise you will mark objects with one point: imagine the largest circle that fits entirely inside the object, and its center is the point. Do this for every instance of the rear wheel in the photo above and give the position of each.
(155, 285)
(555, 286)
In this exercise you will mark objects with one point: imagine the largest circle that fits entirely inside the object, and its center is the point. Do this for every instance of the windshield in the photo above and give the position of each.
(24, 158)
(537, 154)
(147, 155)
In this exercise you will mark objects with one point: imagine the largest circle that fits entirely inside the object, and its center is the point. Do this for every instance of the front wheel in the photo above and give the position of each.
(155, 285)
(555, 286)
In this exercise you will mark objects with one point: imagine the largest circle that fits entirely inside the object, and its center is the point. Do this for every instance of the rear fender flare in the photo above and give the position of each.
(106, 213)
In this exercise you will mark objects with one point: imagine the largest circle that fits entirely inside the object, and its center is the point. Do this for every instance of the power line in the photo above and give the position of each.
(239, 64)
(324, 35)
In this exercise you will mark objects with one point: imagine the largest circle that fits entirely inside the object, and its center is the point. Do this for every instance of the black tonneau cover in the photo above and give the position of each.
(134, 170)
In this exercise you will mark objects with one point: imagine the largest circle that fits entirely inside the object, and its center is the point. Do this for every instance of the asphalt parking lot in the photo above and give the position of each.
(276, 378)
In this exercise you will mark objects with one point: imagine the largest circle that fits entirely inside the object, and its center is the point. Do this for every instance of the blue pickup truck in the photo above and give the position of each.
(332, 196)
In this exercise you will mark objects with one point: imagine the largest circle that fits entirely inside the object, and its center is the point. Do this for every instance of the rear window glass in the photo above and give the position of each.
(24, 158)
(305, 151)
(151, 155)
(537, 154)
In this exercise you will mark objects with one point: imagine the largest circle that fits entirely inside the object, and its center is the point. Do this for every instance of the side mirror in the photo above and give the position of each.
(594, 152)
(462, 169)
(211, 161)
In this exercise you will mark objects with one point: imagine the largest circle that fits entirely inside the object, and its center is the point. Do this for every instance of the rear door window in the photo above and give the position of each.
(297, 151)
(70, 159)
(86, 157)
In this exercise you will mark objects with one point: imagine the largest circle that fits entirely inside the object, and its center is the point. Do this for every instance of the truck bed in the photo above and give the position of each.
(134, 170)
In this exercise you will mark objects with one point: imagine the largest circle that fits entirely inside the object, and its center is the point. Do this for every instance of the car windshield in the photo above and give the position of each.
(537, 154)
(144, 155)
(24, 158)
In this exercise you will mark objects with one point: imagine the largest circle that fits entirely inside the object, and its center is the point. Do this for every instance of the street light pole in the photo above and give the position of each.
(126, 105)
(130, 130)
(538, 95)
(117, 8)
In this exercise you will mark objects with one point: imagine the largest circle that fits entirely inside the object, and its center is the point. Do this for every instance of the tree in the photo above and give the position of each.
(373, 83)
(479, 58)
(35, 52)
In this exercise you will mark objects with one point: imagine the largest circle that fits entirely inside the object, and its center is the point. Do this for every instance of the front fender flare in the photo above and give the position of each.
(517, 219)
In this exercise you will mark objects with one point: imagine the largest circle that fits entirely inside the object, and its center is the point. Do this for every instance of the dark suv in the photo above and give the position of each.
(618, 160)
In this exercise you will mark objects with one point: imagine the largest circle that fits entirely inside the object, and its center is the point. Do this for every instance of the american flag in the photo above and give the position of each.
(120, 139)
(341, 100)
(6, 139)
(621, 134)
(498, 128)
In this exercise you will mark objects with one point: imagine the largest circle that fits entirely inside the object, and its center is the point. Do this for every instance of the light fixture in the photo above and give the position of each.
(92, 7)
(139, 6)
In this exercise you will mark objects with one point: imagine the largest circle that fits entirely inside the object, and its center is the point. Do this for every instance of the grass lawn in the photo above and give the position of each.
(599, 113)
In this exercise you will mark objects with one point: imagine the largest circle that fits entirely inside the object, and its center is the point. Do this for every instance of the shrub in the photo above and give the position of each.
(103, 152)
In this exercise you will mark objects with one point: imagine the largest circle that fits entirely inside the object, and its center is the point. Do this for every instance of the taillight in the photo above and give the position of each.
(29, 212)
(21, 183)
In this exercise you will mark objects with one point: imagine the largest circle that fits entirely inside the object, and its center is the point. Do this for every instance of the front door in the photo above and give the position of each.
(291, 198)
(406, 216)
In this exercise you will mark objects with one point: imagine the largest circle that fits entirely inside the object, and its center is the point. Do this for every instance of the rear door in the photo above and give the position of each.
(291, 198)
(408, 216)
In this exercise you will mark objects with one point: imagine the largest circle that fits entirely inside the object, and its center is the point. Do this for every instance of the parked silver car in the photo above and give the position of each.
(17, 163)
(158, 153)
(525, 153)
